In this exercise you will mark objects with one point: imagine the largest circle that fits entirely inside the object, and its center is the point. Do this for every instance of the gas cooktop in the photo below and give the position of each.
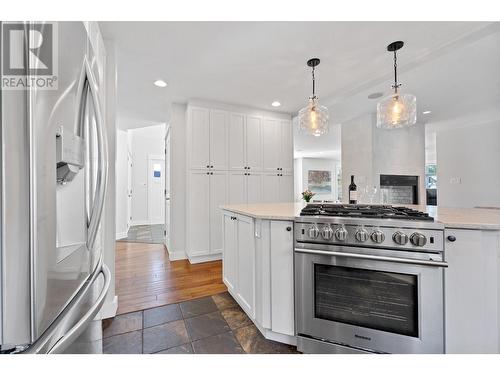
(375, 211)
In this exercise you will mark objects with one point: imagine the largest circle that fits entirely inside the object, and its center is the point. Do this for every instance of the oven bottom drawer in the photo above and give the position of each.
(312, 346)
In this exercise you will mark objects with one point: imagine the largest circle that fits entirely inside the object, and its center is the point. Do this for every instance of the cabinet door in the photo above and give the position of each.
(471, 292)
(270, 188)
(271, 145)
(218, 197)
(282, 307)
(218, 139)
(286, 154)
(199, 138)
(236, 141)
(230, 252)
(254, 188)
(198, 232)
(253, 143)
(286, 188)
(246, 264)
(236, 188)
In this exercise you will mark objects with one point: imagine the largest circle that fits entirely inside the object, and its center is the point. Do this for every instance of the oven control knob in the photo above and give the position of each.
(378, 236)
(361, 235)
(341, 234)
(327, 232)
(400, 238)
(313, 232)
(418, 239)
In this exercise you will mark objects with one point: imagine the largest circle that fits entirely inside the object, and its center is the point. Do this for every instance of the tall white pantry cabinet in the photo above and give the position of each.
(233, 156)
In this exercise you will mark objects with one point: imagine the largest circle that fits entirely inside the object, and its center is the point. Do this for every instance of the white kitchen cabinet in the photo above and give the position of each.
(198, 223)
(230, 253)
(472, 276)
(286, 143)
(282, 291)
(218, 197)
(207, 139)
(246, 264)
(218, 139)
(245, 187)
(277, 141)
(245, 142)
(237, 159)
(198, 138)
(271, 145)
(277, 187)
(253, 143)
(207, 191)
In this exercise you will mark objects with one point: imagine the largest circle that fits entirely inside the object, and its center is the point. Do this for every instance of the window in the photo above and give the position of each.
(430, 176)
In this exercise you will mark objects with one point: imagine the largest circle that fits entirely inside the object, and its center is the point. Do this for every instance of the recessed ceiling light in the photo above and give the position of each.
(276, 104)
(375, 95)
(160, 83)
(426, 112)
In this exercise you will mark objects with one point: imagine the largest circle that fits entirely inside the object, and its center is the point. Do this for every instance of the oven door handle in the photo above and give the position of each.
(373, 257)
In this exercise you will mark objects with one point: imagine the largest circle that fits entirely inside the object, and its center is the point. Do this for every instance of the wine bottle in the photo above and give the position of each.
(353, 193)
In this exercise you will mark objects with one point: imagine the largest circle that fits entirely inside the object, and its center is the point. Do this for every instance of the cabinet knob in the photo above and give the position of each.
(452, 238)
(288, 229)
(208, 166)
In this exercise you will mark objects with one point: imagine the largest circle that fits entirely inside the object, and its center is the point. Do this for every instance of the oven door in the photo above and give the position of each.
(372, 300)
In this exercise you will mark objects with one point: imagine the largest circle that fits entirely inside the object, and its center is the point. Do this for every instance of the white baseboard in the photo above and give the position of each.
(204, 258)
(108, 309)
(176, 255)
(121, 235)
(139, 222)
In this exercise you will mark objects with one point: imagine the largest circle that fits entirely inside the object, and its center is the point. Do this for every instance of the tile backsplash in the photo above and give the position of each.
(397, 194)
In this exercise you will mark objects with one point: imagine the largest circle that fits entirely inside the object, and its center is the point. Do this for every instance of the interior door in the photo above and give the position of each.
(156, 190)
(69, 161)
(129, 189)
(218, 197)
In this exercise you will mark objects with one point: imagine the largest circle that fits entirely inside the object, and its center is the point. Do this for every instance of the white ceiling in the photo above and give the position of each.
(449, 66)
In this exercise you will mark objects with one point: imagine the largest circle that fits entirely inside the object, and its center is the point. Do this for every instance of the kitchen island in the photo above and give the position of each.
(258, 271)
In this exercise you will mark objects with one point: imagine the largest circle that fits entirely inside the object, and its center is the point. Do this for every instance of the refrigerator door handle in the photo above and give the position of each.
(79, 327)
(44, 345)
(102, 165)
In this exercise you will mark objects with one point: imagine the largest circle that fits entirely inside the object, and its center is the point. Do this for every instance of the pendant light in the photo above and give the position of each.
(397, 110)
(313, 119)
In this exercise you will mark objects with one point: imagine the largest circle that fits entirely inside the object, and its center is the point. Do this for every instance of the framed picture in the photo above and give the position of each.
(319, 182)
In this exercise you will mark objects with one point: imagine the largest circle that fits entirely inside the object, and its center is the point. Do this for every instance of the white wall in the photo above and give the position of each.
(142, 143)
(304, 165)
(121, 184)
(368, 152)
(468, 165)
(177, 249)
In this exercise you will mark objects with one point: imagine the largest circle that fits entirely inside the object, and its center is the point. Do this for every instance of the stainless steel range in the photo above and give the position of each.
(368, 279)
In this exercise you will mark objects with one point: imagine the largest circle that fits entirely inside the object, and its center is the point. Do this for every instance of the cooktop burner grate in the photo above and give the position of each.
(364, 211)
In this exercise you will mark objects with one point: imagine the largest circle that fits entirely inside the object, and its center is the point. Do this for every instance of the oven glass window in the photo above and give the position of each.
(385, 301)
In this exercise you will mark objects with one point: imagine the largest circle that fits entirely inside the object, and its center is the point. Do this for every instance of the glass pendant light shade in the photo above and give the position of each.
(397, 111)
(313, 119)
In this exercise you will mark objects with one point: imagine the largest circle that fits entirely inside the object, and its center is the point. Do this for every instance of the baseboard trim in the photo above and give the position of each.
(140, 222)
(204, 258)
(121, 235)
(176, 255)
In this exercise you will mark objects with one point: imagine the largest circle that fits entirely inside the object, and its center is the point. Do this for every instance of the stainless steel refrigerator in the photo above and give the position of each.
(53, 183)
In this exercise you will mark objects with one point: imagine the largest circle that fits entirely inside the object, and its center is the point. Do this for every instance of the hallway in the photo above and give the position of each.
(145, 234)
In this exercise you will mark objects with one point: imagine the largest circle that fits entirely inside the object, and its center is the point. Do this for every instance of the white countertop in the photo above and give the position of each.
(464, 218)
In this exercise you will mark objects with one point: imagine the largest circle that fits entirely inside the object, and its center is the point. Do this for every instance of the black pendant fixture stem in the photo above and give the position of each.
(394, 47)
(313, 63)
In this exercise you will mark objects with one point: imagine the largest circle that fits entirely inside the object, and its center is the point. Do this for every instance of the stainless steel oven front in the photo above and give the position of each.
(355, 299)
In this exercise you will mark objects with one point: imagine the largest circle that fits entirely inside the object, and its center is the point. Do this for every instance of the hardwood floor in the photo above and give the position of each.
(146, 278)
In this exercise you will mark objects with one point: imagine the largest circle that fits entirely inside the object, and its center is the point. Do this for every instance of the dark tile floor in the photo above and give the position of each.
(209, 325)
(145, 233)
